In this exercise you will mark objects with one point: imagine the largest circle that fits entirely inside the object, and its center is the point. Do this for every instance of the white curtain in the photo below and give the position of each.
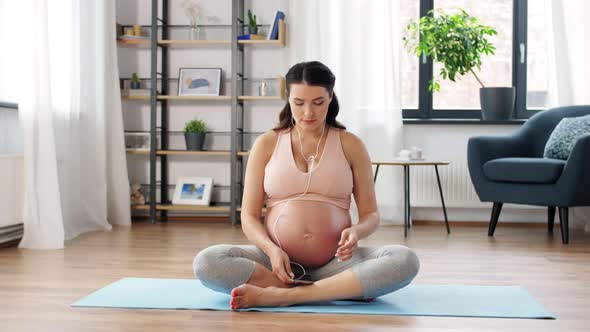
(360, 42)
(70, 110)
(569, 69)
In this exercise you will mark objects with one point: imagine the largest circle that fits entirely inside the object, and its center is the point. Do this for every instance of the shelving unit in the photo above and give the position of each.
(162, 98)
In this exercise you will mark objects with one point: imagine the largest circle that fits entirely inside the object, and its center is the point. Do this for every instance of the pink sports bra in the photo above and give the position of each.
(331, 181)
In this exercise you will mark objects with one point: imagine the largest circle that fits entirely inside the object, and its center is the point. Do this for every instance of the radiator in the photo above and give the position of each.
(456, 184)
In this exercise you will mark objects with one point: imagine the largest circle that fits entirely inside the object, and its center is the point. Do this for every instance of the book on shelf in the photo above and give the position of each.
(251, 37)
(273, 32)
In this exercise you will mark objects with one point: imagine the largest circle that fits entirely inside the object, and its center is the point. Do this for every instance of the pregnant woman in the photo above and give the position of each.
(307, 249)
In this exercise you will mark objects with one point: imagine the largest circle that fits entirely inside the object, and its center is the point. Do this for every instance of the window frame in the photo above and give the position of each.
(425, 109)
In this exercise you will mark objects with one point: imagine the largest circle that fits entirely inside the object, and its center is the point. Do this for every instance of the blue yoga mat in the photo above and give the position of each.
(413, 300)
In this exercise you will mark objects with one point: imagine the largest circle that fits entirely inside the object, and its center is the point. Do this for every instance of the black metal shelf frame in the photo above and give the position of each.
(237, 110)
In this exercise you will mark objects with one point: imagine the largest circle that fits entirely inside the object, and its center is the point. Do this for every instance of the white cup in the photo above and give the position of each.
(405, 154)
(416, 153)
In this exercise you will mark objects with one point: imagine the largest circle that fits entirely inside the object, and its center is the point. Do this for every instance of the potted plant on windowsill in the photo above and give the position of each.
(194, 135)
(457, 41)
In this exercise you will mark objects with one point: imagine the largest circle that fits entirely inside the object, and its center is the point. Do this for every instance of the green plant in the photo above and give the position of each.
(251, 20)
(134, 78)
(195, 126)
(457, 41)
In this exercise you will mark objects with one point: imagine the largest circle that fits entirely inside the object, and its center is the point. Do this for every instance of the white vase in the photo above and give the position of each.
(196, 32)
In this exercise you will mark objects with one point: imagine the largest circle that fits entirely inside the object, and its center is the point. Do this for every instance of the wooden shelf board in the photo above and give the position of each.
(187, 152)
(189, 43)
(137, 151)
(260, 98)
(195, 153)
(162, 97)
(135, 97)
(180, 43)
(168, 207)
(134, 43)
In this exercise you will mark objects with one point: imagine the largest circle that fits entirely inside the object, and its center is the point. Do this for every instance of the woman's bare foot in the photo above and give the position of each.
(246, 296)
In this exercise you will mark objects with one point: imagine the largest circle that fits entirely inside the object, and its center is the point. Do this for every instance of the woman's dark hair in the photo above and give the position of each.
(310, 73)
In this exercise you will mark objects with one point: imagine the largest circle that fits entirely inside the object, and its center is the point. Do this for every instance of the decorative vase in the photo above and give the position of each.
(194, 141)
(263, 89)
(497, 104)
(196, 32)
(252, 30)
(135, 85)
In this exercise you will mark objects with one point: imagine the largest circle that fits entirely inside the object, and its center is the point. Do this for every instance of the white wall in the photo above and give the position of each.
(449, 143)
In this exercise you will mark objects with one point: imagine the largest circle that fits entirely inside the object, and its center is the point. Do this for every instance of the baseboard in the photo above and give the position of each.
(483, 223)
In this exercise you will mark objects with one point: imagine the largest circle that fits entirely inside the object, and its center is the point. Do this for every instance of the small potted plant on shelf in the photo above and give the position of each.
(135, 82)
(252, 26)
(194, 135)
(457, 41)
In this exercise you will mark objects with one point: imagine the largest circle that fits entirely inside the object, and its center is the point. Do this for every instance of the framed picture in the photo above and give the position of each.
(199, 82)
(193, 191)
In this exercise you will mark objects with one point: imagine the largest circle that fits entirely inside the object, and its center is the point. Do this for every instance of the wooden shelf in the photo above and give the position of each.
(134, 43)
(196, 208)
(182, 152)
(193, 153)
(180, 43)
(135, 97)
(163, 97)
(218, 98)
(260, 98)
(137, 151)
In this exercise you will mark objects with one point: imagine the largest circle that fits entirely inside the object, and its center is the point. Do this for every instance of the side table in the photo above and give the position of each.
(406, 167)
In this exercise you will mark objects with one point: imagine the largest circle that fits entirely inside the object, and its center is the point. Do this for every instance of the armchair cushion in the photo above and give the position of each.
(564, 136)
(524, 170)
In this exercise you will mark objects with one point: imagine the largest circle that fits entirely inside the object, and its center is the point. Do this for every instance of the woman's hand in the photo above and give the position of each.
(348, 243)
(281, 266)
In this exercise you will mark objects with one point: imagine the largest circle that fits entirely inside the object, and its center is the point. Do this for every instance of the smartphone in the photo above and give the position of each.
(302, 282)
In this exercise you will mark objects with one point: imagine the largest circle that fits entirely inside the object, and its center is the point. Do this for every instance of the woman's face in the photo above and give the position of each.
(309, 105)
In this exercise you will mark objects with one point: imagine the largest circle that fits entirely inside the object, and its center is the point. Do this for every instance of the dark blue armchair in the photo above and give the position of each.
(512, 169)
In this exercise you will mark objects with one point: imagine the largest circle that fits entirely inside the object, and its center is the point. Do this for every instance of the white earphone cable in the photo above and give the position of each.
(311, 170)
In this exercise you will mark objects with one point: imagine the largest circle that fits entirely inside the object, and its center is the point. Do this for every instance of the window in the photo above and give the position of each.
(536, 97)
(410, 10)
(496, 70)
(512, 64)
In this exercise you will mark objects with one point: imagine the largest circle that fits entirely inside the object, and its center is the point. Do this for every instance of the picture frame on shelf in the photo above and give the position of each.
(199, 82)
(193, 191)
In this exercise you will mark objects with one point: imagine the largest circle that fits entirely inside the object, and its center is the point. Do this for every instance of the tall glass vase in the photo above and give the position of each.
(196, 32)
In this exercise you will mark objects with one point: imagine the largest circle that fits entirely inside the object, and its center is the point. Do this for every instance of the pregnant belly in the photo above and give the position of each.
(308, 231)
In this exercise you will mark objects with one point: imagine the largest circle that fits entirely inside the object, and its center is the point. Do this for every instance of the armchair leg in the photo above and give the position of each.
(550, 218)
(495, 216)
(563, 219)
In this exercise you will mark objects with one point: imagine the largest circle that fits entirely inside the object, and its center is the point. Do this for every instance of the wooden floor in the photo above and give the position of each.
(37, 287)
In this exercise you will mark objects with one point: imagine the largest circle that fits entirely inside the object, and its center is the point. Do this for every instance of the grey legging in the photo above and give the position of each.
(380, 270)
